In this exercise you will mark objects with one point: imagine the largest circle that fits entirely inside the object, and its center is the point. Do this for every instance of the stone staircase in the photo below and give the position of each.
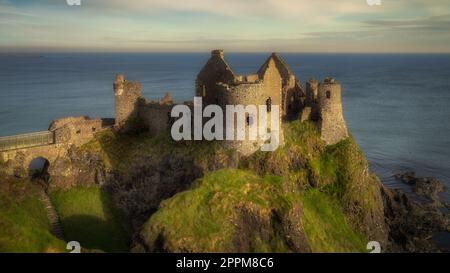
(55, 224)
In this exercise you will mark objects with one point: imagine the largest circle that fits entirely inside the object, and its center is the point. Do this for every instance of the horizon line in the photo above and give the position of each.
(226, 52)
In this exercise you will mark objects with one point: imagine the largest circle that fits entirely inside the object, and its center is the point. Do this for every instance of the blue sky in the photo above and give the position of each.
(235, 25)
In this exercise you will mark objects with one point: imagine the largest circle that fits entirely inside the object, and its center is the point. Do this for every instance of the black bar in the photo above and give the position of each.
(228, 262)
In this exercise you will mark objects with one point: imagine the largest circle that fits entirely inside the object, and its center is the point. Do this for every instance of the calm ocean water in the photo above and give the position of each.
(396, 106)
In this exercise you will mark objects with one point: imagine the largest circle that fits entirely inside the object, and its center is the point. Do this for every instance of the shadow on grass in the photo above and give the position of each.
(95, 234)
(89, 216)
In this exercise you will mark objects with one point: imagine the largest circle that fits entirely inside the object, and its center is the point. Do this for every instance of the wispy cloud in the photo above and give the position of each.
(238, 25)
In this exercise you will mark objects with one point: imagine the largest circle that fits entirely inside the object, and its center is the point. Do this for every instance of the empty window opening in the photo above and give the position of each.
(249, 120)
(269, 104)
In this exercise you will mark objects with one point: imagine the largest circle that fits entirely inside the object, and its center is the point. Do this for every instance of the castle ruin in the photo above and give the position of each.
(273, 84)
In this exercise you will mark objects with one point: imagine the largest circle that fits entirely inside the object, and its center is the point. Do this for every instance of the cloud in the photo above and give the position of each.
(238, 25)
(236, 8)
(435, 23)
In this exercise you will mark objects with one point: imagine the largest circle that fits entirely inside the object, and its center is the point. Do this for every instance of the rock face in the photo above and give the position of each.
(427, 187)
(140, 192)
(413, 223)
(77, 169)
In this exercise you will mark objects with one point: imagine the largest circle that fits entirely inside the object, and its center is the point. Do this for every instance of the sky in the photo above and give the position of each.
(234, 25)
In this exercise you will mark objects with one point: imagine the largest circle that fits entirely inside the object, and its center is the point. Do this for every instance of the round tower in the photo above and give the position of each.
(331, 123)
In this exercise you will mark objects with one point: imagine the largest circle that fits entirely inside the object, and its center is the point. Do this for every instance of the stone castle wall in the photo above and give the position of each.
(216, 70)
(77, 130)
(156, 117)
(260, 92)
(292, 94)
(127, 95)
(332, 125)
(217, 84)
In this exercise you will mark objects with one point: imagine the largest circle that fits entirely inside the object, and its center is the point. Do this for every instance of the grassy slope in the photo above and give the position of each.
(326, 228)
(89, 217)
(330, 183)
(204, 218)
(24, 225)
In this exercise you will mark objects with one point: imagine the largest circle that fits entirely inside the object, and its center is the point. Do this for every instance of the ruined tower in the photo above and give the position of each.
(292, 93)
(310, 109)
(216, 70)
(126, 96)
(331, 121)
(312, 89)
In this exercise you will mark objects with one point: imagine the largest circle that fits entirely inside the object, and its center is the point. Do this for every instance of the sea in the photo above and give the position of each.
(397, 106)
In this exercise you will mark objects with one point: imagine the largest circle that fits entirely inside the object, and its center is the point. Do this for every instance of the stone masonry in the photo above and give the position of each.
(273, 84)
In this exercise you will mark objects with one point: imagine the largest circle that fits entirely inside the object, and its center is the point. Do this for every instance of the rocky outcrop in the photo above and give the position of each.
(412, 224)
(426, 187)
(149, 182)
(77, 169)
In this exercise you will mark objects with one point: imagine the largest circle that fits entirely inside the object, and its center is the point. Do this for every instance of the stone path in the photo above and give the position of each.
(55, 224)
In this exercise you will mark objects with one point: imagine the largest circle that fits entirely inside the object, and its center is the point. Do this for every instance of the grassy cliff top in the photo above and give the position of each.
(232, 209)
(305, 196)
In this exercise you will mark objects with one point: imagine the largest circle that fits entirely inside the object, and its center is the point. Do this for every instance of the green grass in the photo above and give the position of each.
(326, 227)
(24, 227)
(89, 217)
(204, 218)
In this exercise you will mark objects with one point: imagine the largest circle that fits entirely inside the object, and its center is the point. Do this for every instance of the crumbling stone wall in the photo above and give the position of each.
(76, 130)
(127, 95)
(217, 84)
(68, 132)
(332, 125)
(311, 104)
(292, 94)
(156, 117)
(216, 70)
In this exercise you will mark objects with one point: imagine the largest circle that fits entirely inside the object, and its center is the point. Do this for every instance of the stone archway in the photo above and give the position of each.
(38, 171)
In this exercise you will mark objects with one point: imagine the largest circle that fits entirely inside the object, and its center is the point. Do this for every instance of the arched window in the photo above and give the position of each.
(328, 94)
(269, 104)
